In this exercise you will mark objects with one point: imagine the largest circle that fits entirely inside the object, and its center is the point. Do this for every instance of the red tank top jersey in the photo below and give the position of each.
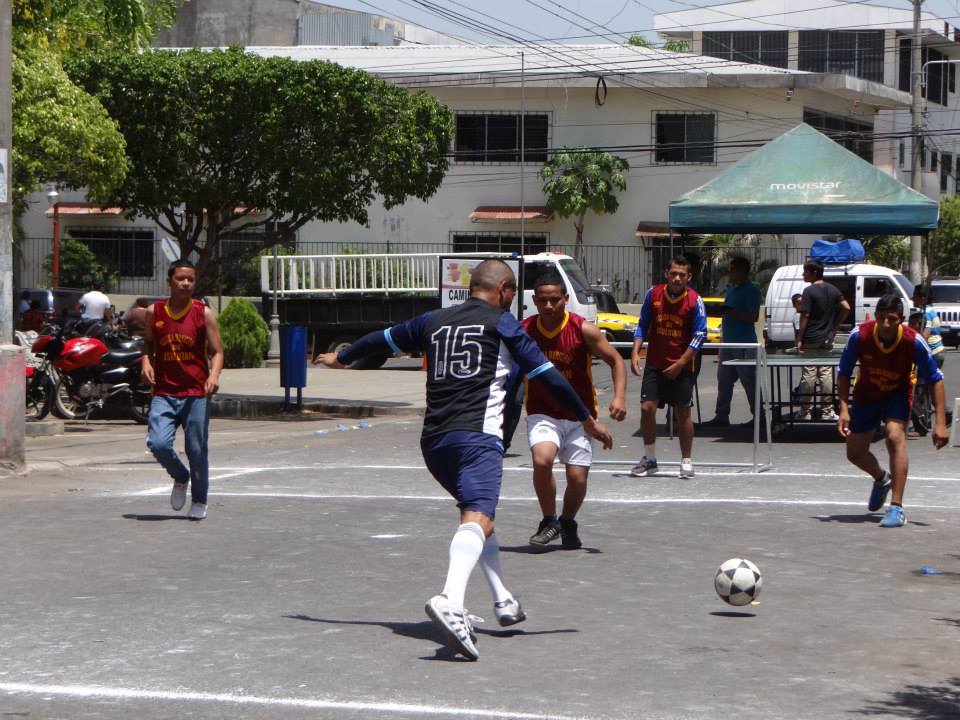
(671, 326)
(180, 350)
(568, 351)
(883, 370)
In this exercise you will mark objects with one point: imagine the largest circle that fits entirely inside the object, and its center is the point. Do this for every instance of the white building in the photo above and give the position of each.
(858, 39)
(679, 119)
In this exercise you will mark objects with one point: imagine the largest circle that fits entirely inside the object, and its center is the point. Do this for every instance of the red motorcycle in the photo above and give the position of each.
(89, 373)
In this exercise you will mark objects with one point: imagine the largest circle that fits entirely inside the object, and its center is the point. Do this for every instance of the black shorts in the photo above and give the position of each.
(658, 387)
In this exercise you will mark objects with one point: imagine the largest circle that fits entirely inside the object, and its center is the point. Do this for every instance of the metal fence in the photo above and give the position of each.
(627, 270)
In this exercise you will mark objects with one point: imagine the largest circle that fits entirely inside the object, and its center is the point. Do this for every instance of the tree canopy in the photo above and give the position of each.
(943, 245)
(221, 140)
(580, 180)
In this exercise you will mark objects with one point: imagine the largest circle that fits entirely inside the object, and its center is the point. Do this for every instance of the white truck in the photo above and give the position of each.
(340, 298)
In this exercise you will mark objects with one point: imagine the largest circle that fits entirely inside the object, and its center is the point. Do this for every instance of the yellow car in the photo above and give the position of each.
(714, 319)
(617, 326)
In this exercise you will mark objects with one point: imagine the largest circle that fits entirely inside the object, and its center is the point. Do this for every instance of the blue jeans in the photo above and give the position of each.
(190, 413)
(727, 377)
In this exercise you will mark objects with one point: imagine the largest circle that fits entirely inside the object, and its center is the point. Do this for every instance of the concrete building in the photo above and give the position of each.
(218, 23)
(679, 119)
(856, 39)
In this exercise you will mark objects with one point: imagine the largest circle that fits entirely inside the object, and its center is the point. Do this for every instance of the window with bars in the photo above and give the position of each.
(495, 137)
(941, 79)
(857, 52)
(129, 251)
(946, 170)
(855, 136)
(501, 242)
(763, 48)
(685, 138)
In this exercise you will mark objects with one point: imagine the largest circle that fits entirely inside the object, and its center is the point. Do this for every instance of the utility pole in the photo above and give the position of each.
(12, 374)
(916, 142)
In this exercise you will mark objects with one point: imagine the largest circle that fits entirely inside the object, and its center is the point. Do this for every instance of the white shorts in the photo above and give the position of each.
(573, 443)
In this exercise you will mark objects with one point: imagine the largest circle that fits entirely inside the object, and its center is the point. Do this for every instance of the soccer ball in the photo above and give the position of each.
(738, 581)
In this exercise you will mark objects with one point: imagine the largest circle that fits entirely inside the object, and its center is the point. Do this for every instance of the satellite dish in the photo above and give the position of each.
(170, 249)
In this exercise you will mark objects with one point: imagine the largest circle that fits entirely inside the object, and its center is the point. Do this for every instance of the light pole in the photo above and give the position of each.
(273, 354)
(53, 197)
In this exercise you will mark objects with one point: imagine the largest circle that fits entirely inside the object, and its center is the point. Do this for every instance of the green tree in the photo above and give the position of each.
(245, 335)
(224, 140)
(943, 244)
(890, 251)
(79, 266)
(579, 180)
(679, 46)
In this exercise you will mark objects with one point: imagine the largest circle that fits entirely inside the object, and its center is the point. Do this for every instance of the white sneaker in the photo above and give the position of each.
(198, 511)
(686, 469)
(829, 414)
(801, 415)
(455, 625)
(509, 612)
(178, 496)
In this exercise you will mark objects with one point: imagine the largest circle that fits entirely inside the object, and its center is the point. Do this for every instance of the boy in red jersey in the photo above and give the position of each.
(182, 360)
(673, 321)
(570, 343)
(887, 352)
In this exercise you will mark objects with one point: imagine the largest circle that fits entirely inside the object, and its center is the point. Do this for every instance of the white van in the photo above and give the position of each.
(861, 285)
(581, 300)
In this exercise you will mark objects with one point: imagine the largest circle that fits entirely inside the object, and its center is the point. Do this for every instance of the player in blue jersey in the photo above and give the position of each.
(470, 350)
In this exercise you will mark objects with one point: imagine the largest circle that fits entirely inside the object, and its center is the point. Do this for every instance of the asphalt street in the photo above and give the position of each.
(301, 595)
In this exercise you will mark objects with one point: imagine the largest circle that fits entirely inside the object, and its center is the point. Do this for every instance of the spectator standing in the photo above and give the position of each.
(94, 305)
(931, 324)
(822, 310)
(741, 308)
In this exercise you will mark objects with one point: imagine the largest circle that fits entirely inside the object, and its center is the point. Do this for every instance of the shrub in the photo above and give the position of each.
(245, 335)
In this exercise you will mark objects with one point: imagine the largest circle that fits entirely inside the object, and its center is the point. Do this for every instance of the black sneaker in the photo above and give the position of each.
(568, 534)
(547, 532)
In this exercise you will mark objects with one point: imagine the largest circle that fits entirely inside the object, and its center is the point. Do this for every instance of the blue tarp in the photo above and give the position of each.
(841, 251)
(804, 182)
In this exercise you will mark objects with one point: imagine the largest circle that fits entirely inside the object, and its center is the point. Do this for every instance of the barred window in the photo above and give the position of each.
(857, 52)
(685, 138)
(495, 137)
(758, 48)
(129, 251)
(501, 242)
(855, 136)
(941, 79)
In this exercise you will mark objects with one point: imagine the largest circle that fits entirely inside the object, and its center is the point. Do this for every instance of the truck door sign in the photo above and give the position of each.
(455, 279)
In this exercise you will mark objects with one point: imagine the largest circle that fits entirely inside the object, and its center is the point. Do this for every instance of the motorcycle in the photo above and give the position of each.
(39, 382)
(89, 373)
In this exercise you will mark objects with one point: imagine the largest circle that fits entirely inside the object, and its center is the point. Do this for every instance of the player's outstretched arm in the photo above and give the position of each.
(399, 338)
(941, 435)
(330, 360)
(600, 347)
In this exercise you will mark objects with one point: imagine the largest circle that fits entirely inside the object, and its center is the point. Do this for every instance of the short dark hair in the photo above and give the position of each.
(921, 291)
(550, 277)
(741, 262)
(795, 297)
(681, 260)
(888, 302)
(815, 267)
(181, 263)
(96, 284)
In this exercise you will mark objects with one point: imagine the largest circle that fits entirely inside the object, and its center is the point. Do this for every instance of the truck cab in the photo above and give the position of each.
(581, 300)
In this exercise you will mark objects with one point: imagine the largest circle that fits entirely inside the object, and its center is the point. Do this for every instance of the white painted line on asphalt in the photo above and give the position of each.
(531, 498)
(119, 693)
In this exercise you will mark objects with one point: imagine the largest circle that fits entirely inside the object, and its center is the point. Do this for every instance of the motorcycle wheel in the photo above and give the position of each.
(139, 408)
(63, 405)
(38, 397)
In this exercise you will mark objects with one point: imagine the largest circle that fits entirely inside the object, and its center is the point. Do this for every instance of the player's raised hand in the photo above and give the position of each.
(328, 359)
(599, 432)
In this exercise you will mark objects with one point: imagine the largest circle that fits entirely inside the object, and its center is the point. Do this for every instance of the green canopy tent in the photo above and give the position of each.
(804, 182)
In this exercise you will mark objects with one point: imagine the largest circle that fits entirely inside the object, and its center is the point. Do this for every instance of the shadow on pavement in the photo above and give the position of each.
(732, 614)
(927, 702)
(426, 630)
(154, 518)
(541, 550)
(874, 518)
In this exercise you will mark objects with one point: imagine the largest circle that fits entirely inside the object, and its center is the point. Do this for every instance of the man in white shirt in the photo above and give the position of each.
(94, 305)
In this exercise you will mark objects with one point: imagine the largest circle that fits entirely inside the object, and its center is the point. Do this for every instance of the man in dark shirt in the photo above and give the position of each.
(822, 310)
(471, 350)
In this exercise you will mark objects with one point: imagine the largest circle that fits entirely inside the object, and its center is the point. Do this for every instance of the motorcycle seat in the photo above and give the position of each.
(121, 357)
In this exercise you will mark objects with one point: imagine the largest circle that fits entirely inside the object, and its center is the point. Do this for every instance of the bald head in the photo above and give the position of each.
(489, 274)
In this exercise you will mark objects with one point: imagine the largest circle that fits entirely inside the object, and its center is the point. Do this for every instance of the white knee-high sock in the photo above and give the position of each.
(465, 549)
(490, 564)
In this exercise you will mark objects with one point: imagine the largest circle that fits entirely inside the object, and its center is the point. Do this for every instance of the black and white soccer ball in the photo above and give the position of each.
(738, 581)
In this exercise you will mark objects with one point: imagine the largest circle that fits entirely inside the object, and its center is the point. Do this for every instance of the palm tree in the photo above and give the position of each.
(579, 180)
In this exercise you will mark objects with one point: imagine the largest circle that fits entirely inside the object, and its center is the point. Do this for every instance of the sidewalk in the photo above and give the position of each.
(397, 389)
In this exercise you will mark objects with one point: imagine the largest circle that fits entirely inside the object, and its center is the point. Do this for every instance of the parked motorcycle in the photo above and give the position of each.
(89, 373)
(39, 382)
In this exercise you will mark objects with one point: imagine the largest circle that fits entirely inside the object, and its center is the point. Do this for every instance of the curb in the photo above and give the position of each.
(255, 406)
(43, 428)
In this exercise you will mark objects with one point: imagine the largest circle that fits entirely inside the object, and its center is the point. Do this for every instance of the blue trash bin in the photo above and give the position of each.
(293, 360)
